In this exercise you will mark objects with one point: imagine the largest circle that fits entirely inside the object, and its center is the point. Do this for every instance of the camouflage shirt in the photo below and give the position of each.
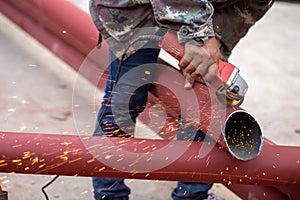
(119, 21)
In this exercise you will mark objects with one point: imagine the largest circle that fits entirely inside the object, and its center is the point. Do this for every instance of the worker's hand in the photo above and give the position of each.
(200, 62)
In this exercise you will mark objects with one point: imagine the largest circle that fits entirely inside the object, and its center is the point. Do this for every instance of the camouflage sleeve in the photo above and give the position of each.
(119, 18)
(191, 18)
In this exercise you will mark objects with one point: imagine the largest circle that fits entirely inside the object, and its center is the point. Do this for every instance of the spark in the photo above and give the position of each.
(5, 181)
(185, 192)
(147, 72)
(75, 160)
(148, 159)
(133, 163)
(11, 110)
(66, 143)
(121, 141)
(27, 154)
(147, 147)
(108, 157)
(101, 169)
(64, 157)
(91, 160)
(42, 165)
(143, 141)
(207, 161)
(24, 101)
(84, 192)
(270, 3)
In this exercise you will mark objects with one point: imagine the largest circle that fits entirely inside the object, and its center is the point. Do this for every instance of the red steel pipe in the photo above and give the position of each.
(143, 159)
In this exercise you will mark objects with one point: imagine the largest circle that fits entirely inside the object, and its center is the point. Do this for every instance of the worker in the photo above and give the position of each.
(208, 30)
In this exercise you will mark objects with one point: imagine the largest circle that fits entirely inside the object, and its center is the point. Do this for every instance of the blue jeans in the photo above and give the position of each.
(123, 125)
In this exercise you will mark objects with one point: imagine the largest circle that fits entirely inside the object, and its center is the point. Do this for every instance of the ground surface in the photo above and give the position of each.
(35, 98)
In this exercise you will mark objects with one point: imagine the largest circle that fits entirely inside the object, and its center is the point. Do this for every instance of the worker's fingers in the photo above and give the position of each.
(200, 62)
(189, 82)
(212, 73)
(193, 55)
(184, 62)
(186, 59)
(203, 68)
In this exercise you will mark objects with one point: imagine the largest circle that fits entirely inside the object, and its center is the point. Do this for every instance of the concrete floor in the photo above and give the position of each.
(37, 94)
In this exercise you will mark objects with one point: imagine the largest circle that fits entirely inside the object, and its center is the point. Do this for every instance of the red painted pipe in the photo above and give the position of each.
(143, 159)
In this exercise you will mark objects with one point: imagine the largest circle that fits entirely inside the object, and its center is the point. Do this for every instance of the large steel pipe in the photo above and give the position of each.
(143, 159)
